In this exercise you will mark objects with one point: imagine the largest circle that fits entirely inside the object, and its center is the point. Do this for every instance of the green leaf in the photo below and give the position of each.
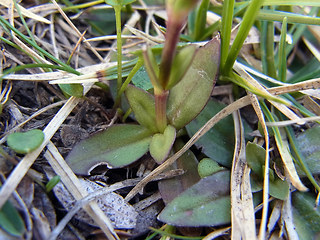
(190, 95)
(306, 216)
(161, 144)
(113, 2)
(141, 79)
(171, 188)
(255, 156)
(11, 221)
(25, 142)
(207, 203)
(143, 105)
(207, 167)
(180, 65)
(53, 181)
(118, 146)
(308, 144)
(218, 143)
(75, 90)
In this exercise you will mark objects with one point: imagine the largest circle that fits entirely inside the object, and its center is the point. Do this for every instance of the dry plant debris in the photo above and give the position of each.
(60, 65)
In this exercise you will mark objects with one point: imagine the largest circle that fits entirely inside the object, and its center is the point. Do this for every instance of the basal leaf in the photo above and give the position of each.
(143, 105)
(218, 143)
(11, 221)
(308, 144)
(207, 203)
(171, 188)
(25, 142)
(190, 95)
(118, 146)
(306, 216)
(161, 144)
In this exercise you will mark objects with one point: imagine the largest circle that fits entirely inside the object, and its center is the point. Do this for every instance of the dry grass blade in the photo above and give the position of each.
(283, 147)
(217, 233)
(25, 12)
(21, 169)
(77, 31)
(74, 186)
(286, 215)
(242, 211)
(257, 109)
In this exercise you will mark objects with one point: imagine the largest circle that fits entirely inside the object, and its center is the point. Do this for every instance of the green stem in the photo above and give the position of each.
(117, 10)
(135, 69)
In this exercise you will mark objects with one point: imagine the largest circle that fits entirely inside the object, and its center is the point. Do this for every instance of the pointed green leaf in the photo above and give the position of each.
(180, 65)
(25, 142)
(118, 146)
(74, 89)
(190, 95)
(207, 203)
(161, 144)
(171, 188)
(143, 106)
(11, 221)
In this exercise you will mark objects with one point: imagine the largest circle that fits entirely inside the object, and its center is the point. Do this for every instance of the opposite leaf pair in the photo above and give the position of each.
(121, 145)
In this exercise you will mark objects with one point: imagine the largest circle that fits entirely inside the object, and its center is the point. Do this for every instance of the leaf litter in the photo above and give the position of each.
(81, 54)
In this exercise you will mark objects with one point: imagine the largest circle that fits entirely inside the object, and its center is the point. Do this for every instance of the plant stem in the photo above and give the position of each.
(161, 109)
(117, 10)
(169, 50)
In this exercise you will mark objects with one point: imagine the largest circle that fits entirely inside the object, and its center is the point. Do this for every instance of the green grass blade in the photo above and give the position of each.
(282, 66)
(246, 24)
(226, 27)
(273, 15)
(30, 42)
(201, 19)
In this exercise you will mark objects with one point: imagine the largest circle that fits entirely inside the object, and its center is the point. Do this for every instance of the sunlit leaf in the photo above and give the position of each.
(161, 144)
(180, 65)
(207, 203)
(190, 95)
(118, 146)
(25, 142)
(143, 105)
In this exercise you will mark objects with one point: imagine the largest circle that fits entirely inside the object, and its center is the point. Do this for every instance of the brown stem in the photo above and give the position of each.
(174, 27)
(161, 109)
